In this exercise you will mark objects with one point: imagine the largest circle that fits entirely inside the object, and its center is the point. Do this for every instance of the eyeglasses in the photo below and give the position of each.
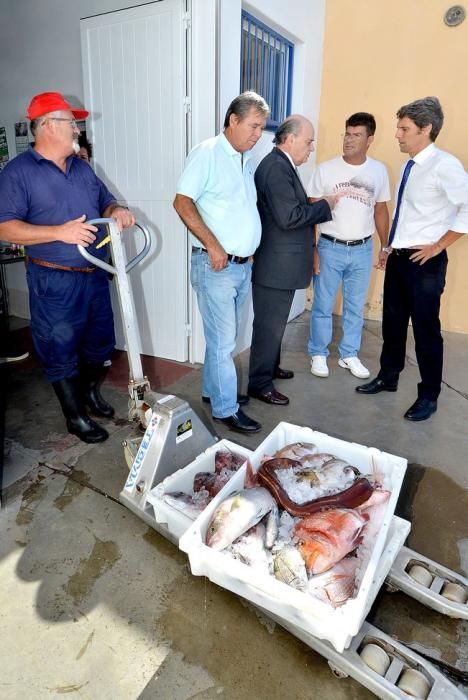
(72, 122)
(353, 137)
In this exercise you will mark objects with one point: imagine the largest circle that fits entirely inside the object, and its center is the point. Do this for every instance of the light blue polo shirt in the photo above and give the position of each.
(224, 194)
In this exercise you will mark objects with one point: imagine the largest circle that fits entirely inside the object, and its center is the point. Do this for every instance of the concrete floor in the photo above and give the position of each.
(95, 604)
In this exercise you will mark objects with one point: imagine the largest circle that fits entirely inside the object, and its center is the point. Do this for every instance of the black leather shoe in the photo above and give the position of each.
(240, 423)
(375, 387)
(284, 373)
(242, 399)
(272, 397)
(422, 409)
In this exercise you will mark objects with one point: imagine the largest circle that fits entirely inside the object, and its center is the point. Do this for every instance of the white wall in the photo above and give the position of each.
(303, 22)
(40, 50)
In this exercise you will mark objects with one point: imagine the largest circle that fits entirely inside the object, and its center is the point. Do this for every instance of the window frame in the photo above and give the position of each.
(278, 93)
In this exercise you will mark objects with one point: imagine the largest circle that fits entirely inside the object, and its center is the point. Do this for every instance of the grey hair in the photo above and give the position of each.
(35, 124)
(291, 125)
(242, 104)
(422, 112)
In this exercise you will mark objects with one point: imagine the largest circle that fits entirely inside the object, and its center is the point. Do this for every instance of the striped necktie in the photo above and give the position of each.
(403, 182)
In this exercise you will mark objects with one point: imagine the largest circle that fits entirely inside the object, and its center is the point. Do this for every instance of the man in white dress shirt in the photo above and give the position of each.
(431, 213)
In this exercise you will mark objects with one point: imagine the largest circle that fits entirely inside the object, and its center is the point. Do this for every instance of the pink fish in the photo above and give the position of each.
(336, 585)
(327, 536)
(375, 508)
(228, 460)
(211, 481)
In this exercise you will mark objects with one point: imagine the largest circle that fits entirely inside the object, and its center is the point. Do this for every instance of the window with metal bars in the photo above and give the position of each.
(267, 66)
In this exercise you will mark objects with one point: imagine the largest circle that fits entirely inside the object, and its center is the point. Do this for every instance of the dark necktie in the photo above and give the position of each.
(403, 182)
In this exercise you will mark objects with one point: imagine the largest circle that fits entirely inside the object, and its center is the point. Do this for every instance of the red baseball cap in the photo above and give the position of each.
(52, 102)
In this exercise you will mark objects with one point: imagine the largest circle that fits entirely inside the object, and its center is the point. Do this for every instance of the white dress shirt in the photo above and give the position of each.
(435, 199)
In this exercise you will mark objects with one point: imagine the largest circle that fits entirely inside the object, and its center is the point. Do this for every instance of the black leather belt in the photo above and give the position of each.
(403, 251)
(230, 257)
(360, 241)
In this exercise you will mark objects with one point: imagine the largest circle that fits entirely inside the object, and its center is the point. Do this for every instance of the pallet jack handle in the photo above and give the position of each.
(138, 385)
(101, 263)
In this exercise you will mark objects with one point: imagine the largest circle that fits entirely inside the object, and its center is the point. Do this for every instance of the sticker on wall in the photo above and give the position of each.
(4, 156)
(184, 431)
(21, 137)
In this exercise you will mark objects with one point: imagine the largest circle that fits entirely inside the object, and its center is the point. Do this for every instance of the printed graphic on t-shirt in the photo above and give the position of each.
(359, 190)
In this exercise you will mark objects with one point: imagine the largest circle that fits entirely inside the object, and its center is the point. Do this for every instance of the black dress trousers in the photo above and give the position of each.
(413, 291)
(271, 310)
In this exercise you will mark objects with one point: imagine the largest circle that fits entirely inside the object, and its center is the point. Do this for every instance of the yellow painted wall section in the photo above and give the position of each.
(379, 55)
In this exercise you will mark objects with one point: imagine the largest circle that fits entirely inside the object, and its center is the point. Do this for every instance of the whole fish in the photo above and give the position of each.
(336, 585)
(211, 481)
(228, 460)
(289, 567)
(317, 460)
(375, 508)
(328, 536)
(271, 526)
(237, 514)
(297, 450)
(191, 506)
(250, 548)
(331, 472)
(351, 497)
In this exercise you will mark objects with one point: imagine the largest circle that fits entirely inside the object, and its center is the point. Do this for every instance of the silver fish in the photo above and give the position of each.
(271, 527)
(297, 450)
(191, 506)
(250, 547)
(315, 461)
(237, 514)
(289, 567)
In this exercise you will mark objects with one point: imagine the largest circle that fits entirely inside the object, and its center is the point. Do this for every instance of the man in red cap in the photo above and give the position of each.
(46, 197)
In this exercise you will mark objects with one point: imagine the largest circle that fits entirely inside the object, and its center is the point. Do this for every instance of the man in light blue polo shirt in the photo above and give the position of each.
(217, 201)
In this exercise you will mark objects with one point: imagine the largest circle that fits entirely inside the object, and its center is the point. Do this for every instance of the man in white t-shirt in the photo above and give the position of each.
(343, 255)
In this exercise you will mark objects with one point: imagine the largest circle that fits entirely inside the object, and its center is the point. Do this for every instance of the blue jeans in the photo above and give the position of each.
(350, 266)
(221, 296)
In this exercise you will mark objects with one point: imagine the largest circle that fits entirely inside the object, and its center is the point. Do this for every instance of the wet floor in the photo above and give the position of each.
(93, 603)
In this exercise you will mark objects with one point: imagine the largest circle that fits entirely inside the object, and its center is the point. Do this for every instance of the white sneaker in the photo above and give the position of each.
(355, 366)
(318, 366)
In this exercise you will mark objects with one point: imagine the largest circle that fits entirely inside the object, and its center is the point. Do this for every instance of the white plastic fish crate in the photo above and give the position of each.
(302, 610)
(182, 480)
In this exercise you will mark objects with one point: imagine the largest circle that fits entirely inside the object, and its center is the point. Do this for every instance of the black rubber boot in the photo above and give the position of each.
(93, 376)
(78, 422)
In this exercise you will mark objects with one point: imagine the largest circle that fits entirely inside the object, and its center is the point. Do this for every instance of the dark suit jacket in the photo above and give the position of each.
(284, 258)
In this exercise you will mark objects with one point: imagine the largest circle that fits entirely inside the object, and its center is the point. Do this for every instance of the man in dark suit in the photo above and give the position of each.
(283, 262)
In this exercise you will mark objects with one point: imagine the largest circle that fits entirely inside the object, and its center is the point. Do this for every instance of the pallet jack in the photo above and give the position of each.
(174, 436)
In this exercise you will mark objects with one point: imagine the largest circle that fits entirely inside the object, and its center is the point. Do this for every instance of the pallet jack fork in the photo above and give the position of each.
(175, 436)
(174, 433)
